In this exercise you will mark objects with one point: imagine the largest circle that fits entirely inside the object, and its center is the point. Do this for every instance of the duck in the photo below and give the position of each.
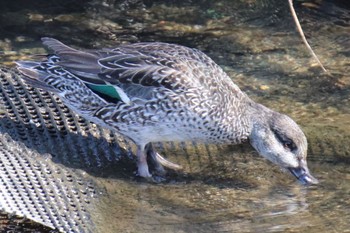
(158, 92)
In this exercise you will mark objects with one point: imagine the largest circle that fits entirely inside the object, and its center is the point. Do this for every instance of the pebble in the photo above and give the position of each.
(64, 18)
(264, 87)
(36, 17)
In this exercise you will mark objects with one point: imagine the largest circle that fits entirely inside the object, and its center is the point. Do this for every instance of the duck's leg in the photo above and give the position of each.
(142, 165)
(160, 161)
(153, 156)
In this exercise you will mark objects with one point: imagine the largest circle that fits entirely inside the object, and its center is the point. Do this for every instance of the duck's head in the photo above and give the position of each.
(279, 139)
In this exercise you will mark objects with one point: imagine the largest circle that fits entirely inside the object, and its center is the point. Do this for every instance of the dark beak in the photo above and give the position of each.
(303, 175)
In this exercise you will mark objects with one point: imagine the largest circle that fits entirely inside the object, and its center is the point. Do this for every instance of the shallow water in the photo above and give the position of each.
(229, 188)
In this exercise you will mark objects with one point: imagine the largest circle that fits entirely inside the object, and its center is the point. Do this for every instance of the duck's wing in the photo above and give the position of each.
(73, 59)
(135, 70)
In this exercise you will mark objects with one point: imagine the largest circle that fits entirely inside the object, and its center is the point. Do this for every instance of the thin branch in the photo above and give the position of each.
(295, 17)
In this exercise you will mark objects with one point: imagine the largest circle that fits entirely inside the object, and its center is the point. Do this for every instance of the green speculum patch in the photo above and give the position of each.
(106, 92)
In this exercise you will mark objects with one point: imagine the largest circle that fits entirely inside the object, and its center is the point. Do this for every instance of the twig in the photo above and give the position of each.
(295, 17)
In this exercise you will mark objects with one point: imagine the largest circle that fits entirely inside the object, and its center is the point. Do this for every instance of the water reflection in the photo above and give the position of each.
(203, 208)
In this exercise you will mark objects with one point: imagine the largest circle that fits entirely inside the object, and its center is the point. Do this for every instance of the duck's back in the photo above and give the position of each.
(149, 64)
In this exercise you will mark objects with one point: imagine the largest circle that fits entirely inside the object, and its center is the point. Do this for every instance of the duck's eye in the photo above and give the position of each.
(289, 145)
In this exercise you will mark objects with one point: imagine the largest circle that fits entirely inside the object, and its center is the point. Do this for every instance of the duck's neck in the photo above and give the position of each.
(259, 116)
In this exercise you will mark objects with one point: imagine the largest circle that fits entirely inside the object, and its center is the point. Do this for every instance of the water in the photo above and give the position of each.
(230, 188)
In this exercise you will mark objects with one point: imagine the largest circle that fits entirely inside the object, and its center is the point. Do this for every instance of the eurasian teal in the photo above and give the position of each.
(156, 92)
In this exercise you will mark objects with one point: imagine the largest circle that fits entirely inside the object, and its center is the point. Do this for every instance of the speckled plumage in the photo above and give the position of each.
(162, 92)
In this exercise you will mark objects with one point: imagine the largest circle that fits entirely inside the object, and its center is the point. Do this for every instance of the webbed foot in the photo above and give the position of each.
(159, 161)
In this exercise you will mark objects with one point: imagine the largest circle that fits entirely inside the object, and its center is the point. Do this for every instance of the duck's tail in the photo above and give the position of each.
(34, 76)
(49, 76)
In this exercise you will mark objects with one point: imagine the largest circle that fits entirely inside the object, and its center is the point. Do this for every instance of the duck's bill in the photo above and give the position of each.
(303, 175)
